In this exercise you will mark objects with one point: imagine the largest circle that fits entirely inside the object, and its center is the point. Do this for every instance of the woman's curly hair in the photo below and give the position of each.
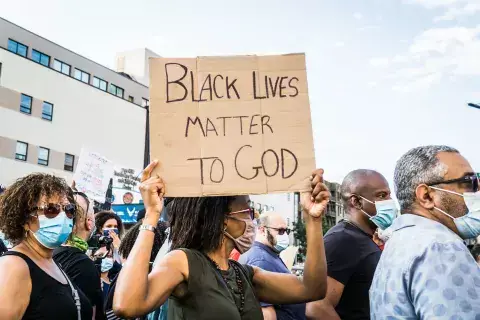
(17, 201)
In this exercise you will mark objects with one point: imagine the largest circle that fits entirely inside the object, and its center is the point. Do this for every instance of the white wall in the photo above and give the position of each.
(10, 170)
(82, 115)
(283, 203)
(135, 63)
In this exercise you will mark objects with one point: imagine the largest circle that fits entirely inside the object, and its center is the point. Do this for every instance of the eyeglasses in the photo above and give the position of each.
(472, 179)
(52, 210)
(281, 231)
(250, 211)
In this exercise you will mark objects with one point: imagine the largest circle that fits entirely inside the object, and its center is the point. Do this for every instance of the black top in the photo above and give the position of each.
(207, 296)
(352, 258)
(49, 298)
(83, 273)
(3, 247)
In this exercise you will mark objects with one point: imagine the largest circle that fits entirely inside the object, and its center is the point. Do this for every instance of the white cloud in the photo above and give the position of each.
(358, 16)
(366, 28)
(339, 44)
(435, 54)
(454, 9)
(379, 62)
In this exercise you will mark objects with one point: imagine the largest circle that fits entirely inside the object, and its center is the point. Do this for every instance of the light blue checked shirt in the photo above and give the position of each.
(425, 272)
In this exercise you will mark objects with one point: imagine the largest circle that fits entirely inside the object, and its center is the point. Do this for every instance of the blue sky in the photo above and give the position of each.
(384, 75)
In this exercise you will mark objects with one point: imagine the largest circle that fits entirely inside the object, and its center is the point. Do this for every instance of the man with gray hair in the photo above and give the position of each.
(426, 271)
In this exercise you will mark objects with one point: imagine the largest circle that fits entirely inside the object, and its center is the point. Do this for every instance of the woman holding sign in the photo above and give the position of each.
(197, 276)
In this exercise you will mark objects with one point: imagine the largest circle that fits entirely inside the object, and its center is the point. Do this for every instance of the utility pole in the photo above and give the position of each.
(146, 155)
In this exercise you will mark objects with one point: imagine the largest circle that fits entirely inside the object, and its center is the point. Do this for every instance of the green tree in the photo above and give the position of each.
(300, 235)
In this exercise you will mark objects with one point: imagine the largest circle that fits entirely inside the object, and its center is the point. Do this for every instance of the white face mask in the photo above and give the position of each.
(283, 241)
(468, 225)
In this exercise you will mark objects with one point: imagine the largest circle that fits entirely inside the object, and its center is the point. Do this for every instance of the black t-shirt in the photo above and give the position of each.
(83, 273)
(3, 247)
(352, 258)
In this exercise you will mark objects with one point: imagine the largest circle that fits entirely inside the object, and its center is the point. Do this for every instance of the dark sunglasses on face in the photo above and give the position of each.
(52, 210)
(471, 179)
(281, 231)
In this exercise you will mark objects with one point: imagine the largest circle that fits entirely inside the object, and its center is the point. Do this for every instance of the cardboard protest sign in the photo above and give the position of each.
(125, 186)
(93, 175)
(231, 125)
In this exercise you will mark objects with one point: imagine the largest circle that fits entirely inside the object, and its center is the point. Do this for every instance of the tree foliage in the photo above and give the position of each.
(300, 235)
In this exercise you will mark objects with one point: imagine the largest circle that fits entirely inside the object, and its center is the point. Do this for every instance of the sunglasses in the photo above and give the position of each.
(281, 231)
(52, 210)
(250, 211)
(471, 179)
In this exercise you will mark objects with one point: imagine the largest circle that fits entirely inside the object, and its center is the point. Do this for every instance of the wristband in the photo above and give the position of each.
(148, 227)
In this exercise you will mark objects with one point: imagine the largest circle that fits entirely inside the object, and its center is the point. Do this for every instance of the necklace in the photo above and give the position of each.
(237, 279)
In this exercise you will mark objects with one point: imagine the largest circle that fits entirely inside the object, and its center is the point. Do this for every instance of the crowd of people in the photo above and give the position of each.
(215, 258)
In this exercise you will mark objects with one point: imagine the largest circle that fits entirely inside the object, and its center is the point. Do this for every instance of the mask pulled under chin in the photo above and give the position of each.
(245, 241)
(107, 264)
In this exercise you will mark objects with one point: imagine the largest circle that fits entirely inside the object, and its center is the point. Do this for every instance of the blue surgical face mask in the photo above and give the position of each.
(468, 225)
(107, 264)
(283, 241)
(53, 232)
(387, 211)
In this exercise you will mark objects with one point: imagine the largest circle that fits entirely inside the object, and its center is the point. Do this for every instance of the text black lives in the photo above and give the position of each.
(224, 87)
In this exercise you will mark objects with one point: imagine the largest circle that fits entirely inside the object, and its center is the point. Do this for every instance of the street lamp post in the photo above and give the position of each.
(473, 105)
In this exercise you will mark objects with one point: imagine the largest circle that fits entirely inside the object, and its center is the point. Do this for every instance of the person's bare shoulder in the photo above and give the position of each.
(15, 286)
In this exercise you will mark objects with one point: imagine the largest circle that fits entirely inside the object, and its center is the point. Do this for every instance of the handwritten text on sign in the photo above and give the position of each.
(93, 174)
(231, 125)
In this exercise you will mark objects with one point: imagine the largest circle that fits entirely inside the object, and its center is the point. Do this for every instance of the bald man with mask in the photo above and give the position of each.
(351, 253)
(272, 238)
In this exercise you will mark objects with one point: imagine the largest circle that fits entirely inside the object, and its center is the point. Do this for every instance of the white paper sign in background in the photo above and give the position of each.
(93, 174)
(125, 185)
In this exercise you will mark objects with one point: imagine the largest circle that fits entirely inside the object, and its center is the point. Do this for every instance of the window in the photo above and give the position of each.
(69, 161)
(21, 151)
(17, 47)
(43, 154)
(61, 67)
(100, 84)
(144, 102)
(130, 98)
(41, 58)
(113, 89)
(26, 104)
(47, 111)
(82, 76)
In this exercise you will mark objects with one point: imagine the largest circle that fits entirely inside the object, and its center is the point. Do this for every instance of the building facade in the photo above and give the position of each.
(288, 205)
(53, 102)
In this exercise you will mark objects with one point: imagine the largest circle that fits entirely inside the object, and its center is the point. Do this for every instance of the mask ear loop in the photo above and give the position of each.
(447, 191)
(365, 213)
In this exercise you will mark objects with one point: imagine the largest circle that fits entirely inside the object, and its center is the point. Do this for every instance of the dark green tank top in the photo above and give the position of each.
(207, 296)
